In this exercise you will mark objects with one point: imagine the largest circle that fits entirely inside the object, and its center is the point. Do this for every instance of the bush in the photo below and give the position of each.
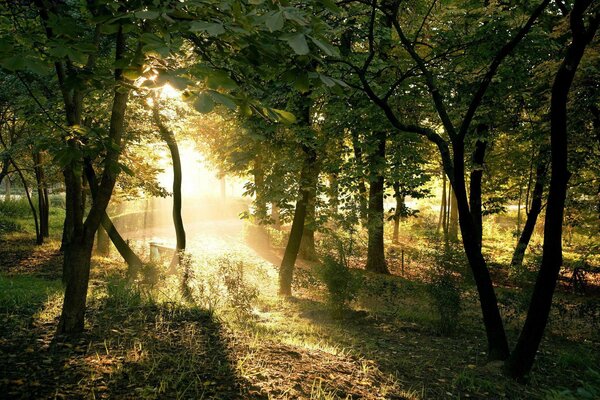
(220, 284)
(240, 295)
(445, 286)
(8, 225)
(18, 208)
(342, 285)
(121, 294)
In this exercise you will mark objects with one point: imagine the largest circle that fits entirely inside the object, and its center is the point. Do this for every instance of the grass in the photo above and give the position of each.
(150, 342)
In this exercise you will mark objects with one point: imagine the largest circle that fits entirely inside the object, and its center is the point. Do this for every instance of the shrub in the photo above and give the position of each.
(445, 286)
(342, 285)
(17, 208)
(8, 225)
(240, 295)
(121, 294)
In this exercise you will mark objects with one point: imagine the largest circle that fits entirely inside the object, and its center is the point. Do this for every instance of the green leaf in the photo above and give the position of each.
(147, 14)
(302, 83)
(274, 22)
(325, 47)
(212, 28)
(298, 44)
(224, 99)
(204, 103)
(285, 116)
(220, 79)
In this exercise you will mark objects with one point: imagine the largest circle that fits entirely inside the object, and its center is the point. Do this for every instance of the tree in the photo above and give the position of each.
(521, 359)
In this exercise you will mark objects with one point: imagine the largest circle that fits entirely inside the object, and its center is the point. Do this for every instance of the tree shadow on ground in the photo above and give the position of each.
(130, 351)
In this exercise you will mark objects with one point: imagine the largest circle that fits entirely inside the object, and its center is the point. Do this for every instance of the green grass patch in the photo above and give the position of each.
(25, 292)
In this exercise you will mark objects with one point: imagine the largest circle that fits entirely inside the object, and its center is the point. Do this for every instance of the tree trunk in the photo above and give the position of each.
(260, 209)
(108, 230)
(39, 238)
(496, 336)
(42, 190)
(169, 138)
(362, 188)
(397, 212)
(72, 317)
(286, 271)
(475, 184)
(522, 358)
(375, 224)
(532, 215)
(79, 249)
(102, 242)
(7, 189)
(442, 219)
(275, 216)
(453, 219)
(307, 243)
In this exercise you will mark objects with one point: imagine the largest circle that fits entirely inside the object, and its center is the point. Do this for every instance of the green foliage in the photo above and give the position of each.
(121, 294)
(342, 285)
(589, 389)
(15, 208)
(445, 286)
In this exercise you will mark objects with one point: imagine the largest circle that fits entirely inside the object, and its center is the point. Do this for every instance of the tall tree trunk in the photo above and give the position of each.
(307, 243)
(442, 219)
(260, 203)
(475, 183)
(362, 188)
(532, 215)
(400, 206)
(286, 271)
(102, 242)
(453, 219)
(7, 188)
(169, 138)
(42, 190)
(496, 336)
(107, 228)
(39, 238)
(275, 216)
(522, 358)
(79, 249)
(375, 225)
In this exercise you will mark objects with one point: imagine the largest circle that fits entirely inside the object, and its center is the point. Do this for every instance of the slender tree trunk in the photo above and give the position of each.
(39, 239)
(42, 191)
(522, 358)
(275, 216)
(532, 215)
(334, 190)
(102, 242)
(286, 271)
(258, 172)
(397, 212)
(169, 138)
(107, 230)
(375, 225)
(7, 189)
(475, 184)
(362, 188)
(453, 220)
(442, 219)
(496, 336)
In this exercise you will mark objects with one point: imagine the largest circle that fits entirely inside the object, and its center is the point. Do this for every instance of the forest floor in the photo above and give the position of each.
(140, 345)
